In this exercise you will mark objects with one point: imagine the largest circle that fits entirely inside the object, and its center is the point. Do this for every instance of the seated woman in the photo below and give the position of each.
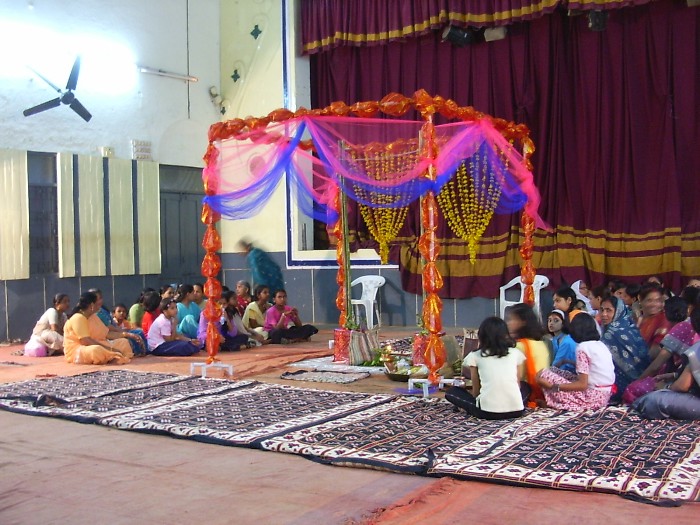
(167, 291)
(524, 328)
(678, 339)
(254, 316)
(243, 297)
(48, 330)
(622, 337)
(582, 292)
(681, 400)
(199, 299)
(163, 337)
(591, 386)
(81, 347)
(653, 324)
(282, 322)
(187, 311)
(495, 371)
(564, 346)
(136, 311)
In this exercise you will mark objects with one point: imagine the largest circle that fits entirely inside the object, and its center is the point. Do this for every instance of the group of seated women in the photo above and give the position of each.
(589, 361)
(167, 322)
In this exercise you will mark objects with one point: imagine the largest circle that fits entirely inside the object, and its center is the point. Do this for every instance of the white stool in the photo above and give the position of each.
(205, 366)
(423, 383)
(443, 381)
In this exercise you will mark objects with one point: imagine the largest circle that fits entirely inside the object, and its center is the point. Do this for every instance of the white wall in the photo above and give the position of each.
(173, 115)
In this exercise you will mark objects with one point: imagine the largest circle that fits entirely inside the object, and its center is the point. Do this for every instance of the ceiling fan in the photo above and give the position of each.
(66, 97)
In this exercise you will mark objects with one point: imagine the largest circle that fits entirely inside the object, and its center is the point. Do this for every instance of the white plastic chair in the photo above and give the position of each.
(540, 282)
(368, 299)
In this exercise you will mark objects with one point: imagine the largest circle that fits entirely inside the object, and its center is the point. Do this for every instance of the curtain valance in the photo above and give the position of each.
(331, 23)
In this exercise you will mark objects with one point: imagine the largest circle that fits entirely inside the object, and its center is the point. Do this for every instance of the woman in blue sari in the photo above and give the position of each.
(621, 335)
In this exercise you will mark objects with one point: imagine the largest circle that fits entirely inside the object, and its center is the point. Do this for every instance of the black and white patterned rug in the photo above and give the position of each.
(611, 450)
(243, 417)
(91, 384)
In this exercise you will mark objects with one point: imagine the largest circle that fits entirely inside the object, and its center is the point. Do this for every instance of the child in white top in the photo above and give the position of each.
(495, 370)
(592, 384)
(163, 338)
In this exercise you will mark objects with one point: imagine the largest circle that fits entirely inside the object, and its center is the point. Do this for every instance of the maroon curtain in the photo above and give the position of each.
(616, 122)
(330, 23)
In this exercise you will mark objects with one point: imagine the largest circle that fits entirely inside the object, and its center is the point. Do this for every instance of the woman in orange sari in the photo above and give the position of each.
(653, 325)
(81, 347)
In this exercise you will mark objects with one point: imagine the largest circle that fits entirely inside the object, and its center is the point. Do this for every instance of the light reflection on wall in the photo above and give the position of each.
(106, 66)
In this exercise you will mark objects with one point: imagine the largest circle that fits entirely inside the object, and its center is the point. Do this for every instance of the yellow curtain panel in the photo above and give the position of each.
(148, 206)
(14, 215)
(120, 217)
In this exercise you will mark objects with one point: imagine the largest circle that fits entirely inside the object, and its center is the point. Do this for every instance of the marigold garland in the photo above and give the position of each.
(381, 162)
(468, 201)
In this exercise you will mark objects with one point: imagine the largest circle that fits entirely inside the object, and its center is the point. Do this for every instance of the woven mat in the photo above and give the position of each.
(91, 384)
(610, 450)
(245, 416)
(325, 377)
(606, 451)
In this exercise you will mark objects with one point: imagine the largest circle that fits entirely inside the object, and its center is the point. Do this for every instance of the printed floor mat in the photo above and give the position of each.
(611, 450)
(606, 451)
(246, 416)
(89, 409)
(91, 384)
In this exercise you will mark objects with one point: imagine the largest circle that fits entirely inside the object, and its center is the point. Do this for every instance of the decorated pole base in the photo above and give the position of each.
(420, 343)
(341, 353)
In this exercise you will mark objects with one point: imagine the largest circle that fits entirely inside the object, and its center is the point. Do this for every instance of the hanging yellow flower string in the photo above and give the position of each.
(469, 200)
(382, 163)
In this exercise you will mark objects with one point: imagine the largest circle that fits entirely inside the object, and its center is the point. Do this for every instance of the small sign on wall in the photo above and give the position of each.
(141, 150)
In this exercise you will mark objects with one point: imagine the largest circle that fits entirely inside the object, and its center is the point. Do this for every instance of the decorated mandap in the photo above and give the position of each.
(468, 168)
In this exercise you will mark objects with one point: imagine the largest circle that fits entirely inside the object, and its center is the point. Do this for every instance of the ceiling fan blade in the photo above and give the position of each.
(80, 110)
(73, 78)
(42, 107)
(42, 77)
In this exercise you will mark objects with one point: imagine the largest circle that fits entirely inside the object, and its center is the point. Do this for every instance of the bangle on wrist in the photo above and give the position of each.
(555, 388)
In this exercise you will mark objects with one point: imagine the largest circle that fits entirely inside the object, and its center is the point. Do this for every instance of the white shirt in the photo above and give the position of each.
(601, 374)
(500, 385)
(162, 327)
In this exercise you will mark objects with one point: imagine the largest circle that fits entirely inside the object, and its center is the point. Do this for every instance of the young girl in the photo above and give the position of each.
(254, 316)
(525, 328)
(151, 307)
(495, 371)
(163, 337)
(283, 324)
(119, 319)
(564, 346)
(187, 311)
(591, 386)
